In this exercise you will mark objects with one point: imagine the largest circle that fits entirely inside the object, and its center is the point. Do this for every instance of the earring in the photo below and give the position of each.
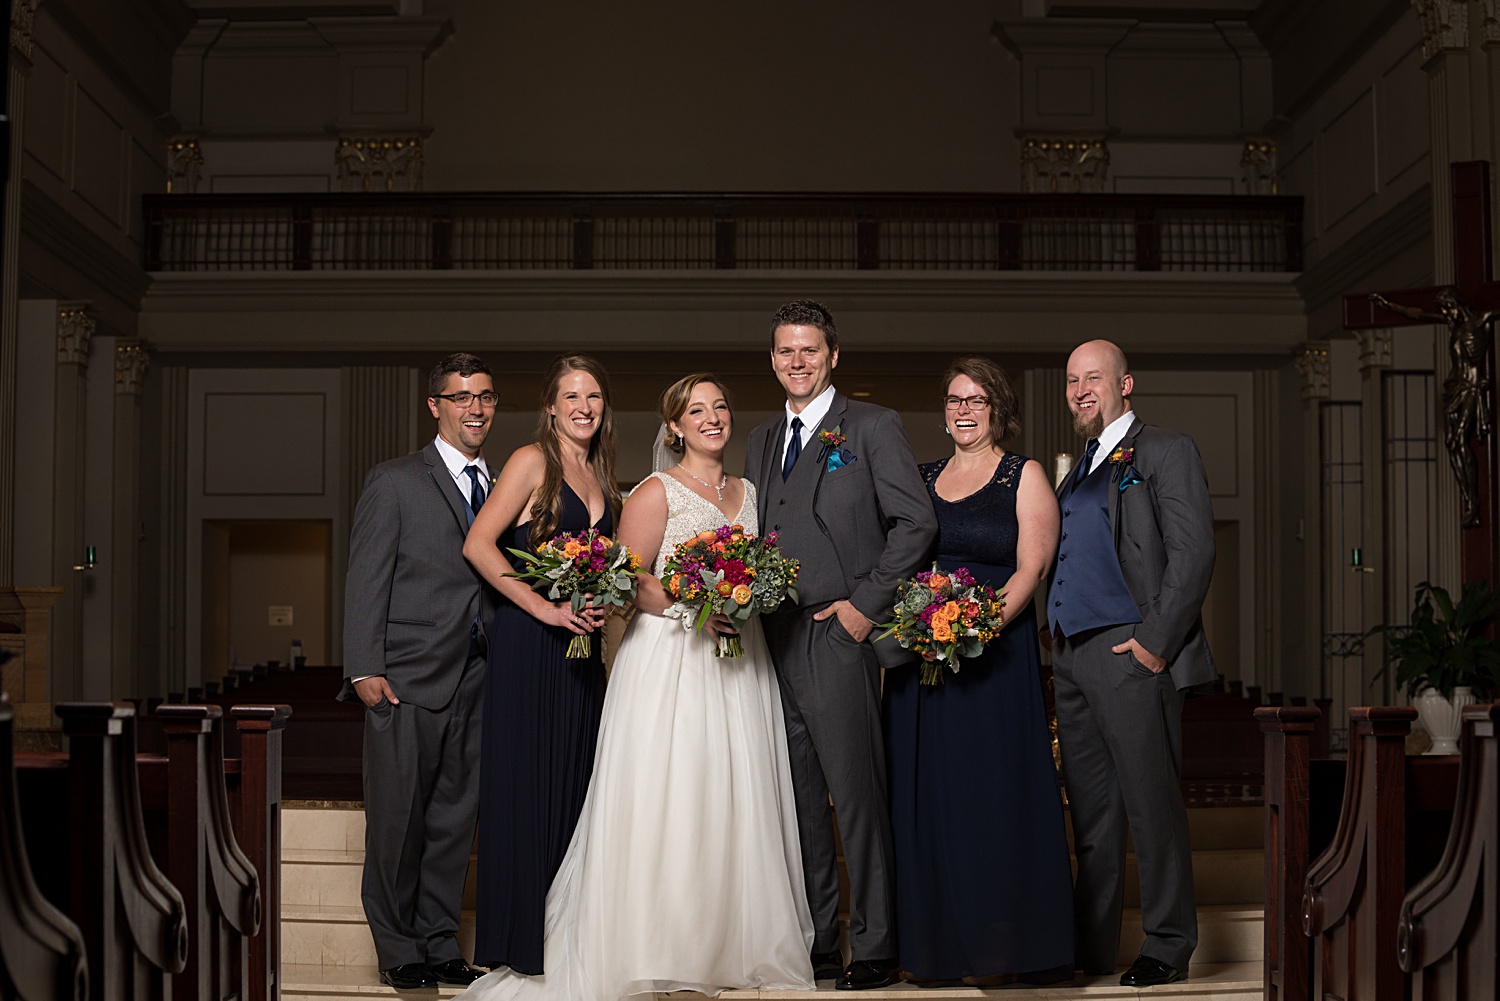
(679, 437)
(947, 430)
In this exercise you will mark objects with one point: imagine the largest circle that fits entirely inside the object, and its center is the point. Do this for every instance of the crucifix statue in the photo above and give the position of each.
(1467, 309)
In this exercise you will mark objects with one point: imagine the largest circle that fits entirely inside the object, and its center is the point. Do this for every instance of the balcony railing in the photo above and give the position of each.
(898, 232)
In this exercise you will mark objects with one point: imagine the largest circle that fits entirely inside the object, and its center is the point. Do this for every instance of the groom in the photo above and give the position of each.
(836, 478)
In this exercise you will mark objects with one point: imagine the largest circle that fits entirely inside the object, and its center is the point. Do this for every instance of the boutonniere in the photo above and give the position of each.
(1122, 456)
(837, 457)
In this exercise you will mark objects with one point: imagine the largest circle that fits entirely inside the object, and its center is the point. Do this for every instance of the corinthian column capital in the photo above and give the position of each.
(1445, 25)
(75, 331)
(1374, 348)
(1312, 363)
(22, 17)
(131, 359)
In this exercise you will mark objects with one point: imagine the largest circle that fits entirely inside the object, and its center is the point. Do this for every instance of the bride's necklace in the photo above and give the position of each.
(718, 490)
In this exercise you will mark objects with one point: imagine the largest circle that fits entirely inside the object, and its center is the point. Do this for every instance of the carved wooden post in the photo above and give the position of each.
(41, 951)
(1289, 735)
(257, 824)
(1354, 889)
(218, 884)
(133, 920)
(1450, 921)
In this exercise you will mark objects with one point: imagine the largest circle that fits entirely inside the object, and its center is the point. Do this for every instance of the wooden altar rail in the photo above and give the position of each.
(186, 805)
(863, 231)
(1449, 929)
(41, 951)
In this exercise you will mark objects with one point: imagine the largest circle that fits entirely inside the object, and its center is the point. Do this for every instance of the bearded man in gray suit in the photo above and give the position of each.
(836, 478)
(414, 654)
(1125, 608)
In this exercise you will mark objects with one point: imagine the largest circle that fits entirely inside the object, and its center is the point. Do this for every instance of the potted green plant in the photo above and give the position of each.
(1443, 657)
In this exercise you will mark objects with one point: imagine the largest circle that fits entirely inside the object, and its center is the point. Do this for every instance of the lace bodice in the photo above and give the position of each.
(688, 514)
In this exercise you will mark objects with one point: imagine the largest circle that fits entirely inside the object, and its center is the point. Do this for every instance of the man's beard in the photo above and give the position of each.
(1089, 425)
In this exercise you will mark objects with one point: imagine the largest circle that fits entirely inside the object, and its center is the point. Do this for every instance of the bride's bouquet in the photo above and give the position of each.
(947, 615)
(577, 566)
(729, 571)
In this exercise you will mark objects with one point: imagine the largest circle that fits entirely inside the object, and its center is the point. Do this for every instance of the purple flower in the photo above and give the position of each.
(724, 532)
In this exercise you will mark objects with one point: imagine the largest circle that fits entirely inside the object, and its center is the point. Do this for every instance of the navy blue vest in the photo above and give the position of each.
(1088, 589)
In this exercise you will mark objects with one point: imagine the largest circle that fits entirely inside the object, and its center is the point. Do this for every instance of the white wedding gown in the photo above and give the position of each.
(684, 872)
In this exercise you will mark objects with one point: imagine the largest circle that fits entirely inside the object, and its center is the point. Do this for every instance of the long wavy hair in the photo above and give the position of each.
(546, 513)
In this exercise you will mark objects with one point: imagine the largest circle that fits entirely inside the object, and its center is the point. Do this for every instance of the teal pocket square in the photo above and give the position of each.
(838, 458)
(1130, 479)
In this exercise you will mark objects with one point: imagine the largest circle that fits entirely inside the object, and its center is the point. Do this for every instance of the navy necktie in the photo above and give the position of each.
(476, 492)
(1088, 459)
(793, 449)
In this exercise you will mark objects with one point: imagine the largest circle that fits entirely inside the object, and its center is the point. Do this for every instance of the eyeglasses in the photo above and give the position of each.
(975, 403)
(462, 400)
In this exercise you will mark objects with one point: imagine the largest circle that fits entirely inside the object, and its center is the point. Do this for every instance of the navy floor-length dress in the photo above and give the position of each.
(983, 885)
(541, 720)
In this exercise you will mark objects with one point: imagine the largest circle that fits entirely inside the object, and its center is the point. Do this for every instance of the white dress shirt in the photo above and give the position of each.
(1110, 437)
(457, 462)
(811, 416)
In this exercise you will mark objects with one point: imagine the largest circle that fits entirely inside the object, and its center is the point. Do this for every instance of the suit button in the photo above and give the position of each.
(1067, 511)
(782, 501)
(1061, 557)
(1057, 604)
(1065, 535)
(775, 528)
(1057, 583)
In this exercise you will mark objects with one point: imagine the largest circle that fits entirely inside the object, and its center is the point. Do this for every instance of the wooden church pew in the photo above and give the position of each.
(1287, 959)
(1448, 931)
(86, 836)
(41, 951)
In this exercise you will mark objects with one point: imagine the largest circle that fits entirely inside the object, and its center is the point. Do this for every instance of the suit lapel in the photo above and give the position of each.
(445, 485)
(834, 418)
(1118, 471)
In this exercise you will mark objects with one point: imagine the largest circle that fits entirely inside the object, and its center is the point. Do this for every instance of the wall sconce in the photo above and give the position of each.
(88, 559)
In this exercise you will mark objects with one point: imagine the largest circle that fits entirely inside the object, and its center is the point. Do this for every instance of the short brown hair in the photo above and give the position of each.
(806, 313)
(465, 364)
(674, 403)
(1005, 417)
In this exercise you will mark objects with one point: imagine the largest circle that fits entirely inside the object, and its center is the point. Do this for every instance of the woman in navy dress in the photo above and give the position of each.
(984, 892)
(541, 709)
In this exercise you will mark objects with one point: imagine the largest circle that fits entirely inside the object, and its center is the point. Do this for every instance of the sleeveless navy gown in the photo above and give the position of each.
(541, 720)
(983, 884)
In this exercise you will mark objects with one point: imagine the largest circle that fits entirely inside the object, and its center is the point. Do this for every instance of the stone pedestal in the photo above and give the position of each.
(26, 675)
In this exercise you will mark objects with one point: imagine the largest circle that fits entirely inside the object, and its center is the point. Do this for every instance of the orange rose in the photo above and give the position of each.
(572, 548)
(736, 528)
(605, 539)
(951, 611)
(741, 594)
(707, 536)
(971, 611)
(941, 630)
(724, 588)
(937, 583)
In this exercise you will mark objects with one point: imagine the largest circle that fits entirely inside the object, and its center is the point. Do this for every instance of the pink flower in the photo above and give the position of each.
(734, 572)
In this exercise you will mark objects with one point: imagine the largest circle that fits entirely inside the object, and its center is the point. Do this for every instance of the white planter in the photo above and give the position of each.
(1442, 718)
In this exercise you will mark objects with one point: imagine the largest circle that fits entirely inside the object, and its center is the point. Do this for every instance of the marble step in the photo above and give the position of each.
(1206, 981)
(343, 827)
(336, 935)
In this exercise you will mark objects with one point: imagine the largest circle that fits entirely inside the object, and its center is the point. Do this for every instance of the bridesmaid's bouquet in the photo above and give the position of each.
(727, 570)
(589, 569)
(947, 615)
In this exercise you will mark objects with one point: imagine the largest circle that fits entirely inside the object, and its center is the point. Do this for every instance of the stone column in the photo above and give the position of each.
(21, 44)
(1317, 387)
(1374, 360)
(127, 531)
(75, 334)
(1454, 82)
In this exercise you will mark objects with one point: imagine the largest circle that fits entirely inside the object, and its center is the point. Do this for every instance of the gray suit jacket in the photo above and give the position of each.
(858, 530)
(1164, 535)
(411, 598)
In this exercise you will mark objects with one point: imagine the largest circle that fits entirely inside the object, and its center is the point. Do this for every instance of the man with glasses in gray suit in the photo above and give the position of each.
(415, 655)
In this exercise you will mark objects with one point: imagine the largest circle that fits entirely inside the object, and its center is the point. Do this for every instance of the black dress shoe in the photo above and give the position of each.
(1148, 972)
(827, 965)
(408, 977)
(456, 971)
(867, 974)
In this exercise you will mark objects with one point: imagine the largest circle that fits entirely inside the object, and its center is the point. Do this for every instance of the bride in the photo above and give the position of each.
(684, 872)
